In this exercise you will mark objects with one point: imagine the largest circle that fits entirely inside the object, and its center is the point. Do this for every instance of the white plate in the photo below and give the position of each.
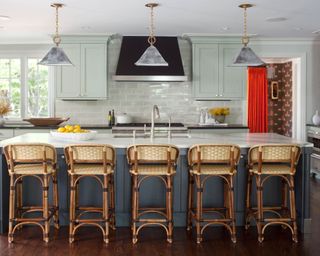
(74, 136)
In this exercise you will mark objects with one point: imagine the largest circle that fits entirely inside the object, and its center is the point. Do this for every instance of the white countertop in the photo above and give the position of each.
(244, 140)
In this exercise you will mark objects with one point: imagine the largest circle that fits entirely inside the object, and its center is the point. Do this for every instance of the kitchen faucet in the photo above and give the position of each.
(154, 115)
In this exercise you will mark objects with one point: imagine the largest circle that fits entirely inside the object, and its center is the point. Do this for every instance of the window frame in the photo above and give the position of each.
(24, 56)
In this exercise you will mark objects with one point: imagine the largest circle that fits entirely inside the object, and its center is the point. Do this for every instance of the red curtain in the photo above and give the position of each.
(257, 99)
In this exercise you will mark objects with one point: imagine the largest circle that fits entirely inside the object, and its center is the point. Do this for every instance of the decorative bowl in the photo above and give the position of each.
(46, 121)
(74, 136)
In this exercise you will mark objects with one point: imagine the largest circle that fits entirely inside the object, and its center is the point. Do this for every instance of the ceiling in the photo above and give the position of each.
(33, 20)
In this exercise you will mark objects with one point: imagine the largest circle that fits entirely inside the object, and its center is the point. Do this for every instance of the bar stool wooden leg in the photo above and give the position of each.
(135, 209)
(11, 208)
(231, 209)
(293, 209)
(72, 208)
(169, 208)
(19, 198)
(260, 208)
(55, 201)
(199, 208)
(190, 201)
(105, 206)
(46, 208)
(248, 201)
(226, 192)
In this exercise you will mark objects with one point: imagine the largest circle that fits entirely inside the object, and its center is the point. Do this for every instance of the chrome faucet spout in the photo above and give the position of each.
(155, 114)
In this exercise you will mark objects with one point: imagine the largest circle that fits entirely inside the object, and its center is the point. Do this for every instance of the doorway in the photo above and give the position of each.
(284, 96)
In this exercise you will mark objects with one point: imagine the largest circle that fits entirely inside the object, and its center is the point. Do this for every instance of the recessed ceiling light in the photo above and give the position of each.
(316, 31)
(225, 28)
(4, 17)
(276, 19)
(85, 27)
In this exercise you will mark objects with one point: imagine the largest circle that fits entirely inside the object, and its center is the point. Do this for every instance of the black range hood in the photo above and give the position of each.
(133, 47)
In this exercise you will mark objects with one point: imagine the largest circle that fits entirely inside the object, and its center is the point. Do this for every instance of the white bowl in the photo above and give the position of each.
(74, 136)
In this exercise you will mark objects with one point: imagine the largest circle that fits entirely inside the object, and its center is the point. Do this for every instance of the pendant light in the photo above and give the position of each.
(246, 56)
(56, 55)
(151, 56)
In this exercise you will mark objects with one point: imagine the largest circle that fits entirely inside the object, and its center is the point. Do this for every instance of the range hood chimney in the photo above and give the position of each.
(133, 47)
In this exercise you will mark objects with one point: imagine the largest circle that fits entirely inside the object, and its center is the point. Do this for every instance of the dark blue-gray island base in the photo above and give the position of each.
(153, 193)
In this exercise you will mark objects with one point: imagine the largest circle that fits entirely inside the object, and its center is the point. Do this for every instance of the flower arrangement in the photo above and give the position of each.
(219, 111)
(5, 106)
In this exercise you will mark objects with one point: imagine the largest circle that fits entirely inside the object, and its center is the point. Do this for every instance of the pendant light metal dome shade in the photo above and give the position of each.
(56, 56)
(246, 57)
(151, 56)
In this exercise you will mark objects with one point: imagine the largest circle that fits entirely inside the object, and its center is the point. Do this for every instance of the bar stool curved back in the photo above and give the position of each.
(152, 161)
(36, 160)
(264, 162)
(207, 161)
(96, 161)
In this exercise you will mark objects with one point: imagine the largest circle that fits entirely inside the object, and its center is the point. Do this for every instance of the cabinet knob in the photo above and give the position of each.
(62, 157)
(221, 95)
(217, 95)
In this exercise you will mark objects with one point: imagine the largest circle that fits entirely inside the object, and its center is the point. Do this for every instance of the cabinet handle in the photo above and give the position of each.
(221, 95)
(217, 95)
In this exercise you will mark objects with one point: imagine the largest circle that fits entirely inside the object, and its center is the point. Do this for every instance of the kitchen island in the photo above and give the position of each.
(152, 192)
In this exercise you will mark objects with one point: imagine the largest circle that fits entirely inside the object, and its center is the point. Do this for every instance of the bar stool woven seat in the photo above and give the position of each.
(152, 161)
(96, 161)
(207, 161)
(37, 160)
(264, 162)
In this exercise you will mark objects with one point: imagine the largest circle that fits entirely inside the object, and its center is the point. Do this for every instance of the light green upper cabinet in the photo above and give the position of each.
(232, 80)
(214, 77)
(87, 79)
(205, 70)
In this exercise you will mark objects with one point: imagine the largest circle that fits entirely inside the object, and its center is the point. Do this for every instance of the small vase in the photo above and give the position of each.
(316, 118)
(220, 118)
(1, 120)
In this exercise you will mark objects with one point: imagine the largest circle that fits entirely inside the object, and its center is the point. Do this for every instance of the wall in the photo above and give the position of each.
(280, 110)
(137, 98)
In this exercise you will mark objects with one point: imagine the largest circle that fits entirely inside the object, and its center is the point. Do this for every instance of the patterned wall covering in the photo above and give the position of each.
(280, 110)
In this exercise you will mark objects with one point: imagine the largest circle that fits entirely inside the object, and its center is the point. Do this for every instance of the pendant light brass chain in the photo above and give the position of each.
(151, 38)
(56, 38)
(245, 38)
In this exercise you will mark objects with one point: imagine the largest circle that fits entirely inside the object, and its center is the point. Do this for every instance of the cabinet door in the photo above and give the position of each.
(94, 71)
(231, 79)
(68, 77)
(205, 71)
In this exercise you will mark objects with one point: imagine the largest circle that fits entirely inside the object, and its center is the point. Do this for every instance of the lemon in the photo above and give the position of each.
(77, 130)
(77, 126)
(61, 129)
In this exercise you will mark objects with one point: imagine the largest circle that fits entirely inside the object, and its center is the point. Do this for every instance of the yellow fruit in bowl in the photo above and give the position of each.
(77, 130)
(77, 126)
(61, 129)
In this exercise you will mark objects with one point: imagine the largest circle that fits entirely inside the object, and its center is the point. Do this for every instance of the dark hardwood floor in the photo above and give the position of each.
(152, 241)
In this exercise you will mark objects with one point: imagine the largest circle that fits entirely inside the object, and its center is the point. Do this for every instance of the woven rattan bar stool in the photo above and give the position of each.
(205, 162)
(152, 161)
(266, 161)
(96, 161)
(38, 161)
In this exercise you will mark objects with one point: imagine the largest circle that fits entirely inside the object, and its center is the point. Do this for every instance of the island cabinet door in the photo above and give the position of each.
(94, 71)
(232, 80)
(68, 77)
(205, 71)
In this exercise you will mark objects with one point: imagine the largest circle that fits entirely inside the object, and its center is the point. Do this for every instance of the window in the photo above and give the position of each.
(28, 86)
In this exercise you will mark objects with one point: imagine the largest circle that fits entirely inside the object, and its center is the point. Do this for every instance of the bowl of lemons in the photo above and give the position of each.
(73, 132)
